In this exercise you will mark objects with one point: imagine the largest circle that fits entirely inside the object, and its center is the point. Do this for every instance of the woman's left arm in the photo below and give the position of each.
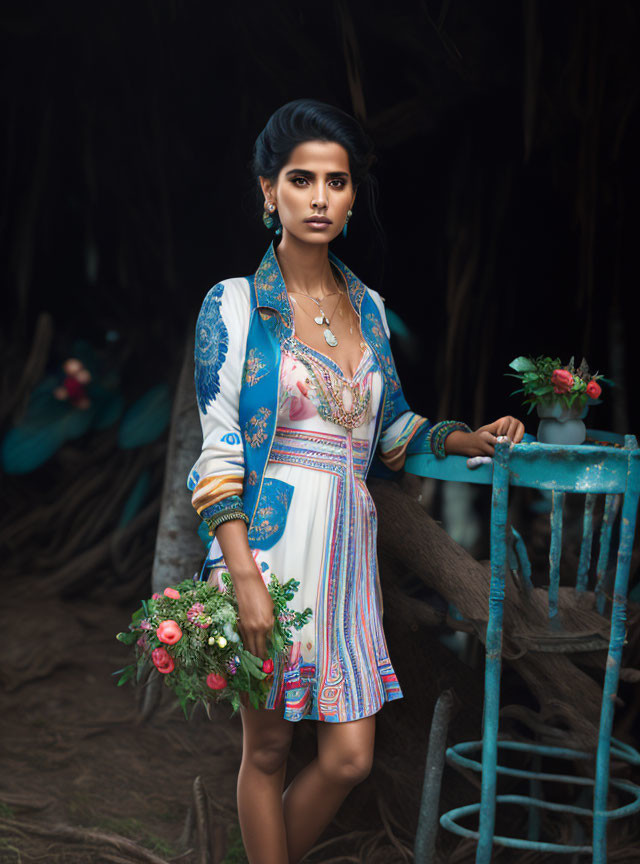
(483, 440)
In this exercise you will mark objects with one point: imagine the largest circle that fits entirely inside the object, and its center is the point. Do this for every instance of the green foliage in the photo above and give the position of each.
(535, 375)
(209, 642)
(235, 852)
(522, 364)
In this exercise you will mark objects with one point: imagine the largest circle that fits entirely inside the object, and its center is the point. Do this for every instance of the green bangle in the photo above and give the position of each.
(224, 516)
(438, 434)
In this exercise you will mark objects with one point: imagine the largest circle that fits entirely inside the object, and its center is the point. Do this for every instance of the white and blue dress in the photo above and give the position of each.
(287, 444)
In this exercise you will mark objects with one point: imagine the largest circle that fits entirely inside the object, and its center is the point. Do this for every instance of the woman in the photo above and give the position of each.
(297, 390)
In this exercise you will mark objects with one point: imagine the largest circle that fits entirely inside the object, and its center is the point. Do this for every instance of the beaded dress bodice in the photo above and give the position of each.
(313, 383)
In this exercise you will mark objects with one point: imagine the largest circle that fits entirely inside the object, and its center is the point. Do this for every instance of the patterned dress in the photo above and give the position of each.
(339, 667)
(287, 442)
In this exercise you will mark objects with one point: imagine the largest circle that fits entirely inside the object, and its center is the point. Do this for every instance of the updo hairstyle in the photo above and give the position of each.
(310, 120)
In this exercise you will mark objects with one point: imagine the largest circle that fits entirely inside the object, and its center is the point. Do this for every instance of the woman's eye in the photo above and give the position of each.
(336, 183)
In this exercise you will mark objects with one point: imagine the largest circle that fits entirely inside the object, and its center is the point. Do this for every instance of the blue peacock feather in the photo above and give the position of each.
(212, 342)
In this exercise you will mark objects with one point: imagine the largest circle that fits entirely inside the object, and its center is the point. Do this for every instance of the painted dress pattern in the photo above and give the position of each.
(212, 342)
(339, 667)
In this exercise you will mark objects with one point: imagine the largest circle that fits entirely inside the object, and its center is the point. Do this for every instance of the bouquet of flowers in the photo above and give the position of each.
(190, 635)
(544, 379)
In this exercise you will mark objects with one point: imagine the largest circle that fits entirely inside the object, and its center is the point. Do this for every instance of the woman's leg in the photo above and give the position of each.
(266, 739)
(345, 756)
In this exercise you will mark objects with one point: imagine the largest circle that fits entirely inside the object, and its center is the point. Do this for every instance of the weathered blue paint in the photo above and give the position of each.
(524, 565)
(611, 507)
(555, 550)
(595, 470)
(582, 578)
(493, 644)
(616, 642)
(619, 750)
(567, 468)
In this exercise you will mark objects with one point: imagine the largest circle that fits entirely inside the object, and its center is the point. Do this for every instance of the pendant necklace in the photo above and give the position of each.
(329, 336)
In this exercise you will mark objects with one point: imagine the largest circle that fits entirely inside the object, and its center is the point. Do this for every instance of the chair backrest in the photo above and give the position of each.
(612, 471)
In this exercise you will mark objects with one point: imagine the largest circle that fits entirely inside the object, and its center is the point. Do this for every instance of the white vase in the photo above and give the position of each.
(561, 425)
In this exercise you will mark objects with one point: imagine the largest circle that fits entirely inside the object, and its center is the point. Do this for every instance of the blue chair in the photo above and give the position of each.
(594, 470)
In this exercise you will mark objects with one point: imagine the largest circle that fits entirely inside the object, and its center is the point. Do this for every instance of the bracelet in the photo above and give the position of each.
(225, 516)
(438, 434)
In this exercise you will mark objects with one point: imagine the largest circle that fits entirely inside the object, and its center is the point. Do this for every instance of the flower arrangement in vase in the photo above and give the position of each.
(560, 394)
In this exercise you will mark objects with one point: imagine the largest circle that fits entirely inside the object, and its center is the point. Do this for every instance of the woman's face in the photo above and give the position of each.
(315, 182)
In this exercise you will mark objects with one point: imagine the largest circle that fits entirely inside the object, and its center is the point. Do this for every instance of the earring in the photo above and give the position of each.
(349, 215)
(266, 217)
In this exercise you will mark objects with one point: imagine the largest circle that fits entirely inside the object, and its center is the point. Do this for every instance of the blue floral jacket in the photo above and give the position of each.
(240, 330)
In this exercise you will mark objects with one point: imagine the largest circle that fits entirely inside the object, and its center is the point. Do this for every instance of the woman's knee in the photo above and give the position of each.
(267, 753)
(347, 768)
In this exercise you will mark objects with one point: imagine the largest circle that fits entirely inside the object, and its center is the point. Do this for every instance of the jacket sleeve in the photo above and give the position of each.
(395, 438)
(216, 480)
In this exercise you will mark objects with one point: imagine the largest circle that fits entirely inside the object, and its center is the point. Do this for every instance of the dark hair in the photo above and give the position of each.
(310, 120)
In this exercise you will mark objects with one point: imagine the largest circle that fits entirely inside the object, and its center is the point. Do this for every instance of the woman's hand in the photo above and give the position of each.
(255, 605)
(255, 611)
(482, 442)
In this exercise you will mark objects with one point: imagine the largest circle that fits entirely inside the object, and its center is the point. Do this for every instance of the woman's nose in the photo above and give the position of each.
(319, 198)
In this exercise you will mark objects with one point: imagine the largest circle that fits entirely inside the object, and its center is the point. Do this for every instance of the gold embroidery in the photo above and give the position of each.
(253, 367)
(254, 430)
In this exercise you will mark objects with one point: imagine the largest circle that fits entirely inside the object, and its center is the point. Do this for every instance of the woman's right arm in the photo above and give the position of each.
(216, 479)
(255, 606)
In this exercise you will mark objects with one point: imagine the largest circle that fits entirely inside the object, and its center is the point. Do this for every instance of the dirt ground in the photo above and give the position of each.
(85, 779)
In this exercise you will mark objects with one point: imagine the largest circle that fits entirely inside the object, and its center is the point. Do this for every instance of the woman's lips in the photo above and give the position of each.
(317, 225)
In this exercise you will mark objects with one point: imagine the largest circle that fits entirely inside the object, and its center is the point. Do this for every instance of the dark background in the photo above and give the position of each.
(507, 137)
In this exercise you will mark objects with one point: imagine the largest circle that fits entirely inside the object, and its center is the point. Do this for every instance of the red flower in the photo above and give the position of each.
(562, 380)
(215, 681)
(267, 666)
(171, 592)
(169, 631)
(593, 389)
(162, 660)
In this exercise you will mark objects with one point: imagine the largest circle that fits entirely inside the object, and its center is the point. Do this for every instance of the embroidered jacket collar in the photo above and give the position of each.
(270, 290)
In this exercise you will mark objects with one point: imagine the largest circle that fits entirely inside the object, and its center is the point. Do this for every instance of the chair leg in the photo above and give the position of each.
(425, 845)
(616, 642)
(493, 660)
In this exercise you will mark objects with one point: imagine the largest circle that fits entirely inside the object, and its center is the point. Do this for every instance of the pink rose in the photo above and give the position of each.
(171, 592)
(215, 681)
(593, 389)
(562, 381)
(169, 632)
(162, 660)
(155, 596)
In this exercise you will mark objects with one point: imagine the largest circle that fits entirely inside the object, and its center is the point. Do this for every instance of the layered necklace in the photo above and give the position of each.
(323, 319)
